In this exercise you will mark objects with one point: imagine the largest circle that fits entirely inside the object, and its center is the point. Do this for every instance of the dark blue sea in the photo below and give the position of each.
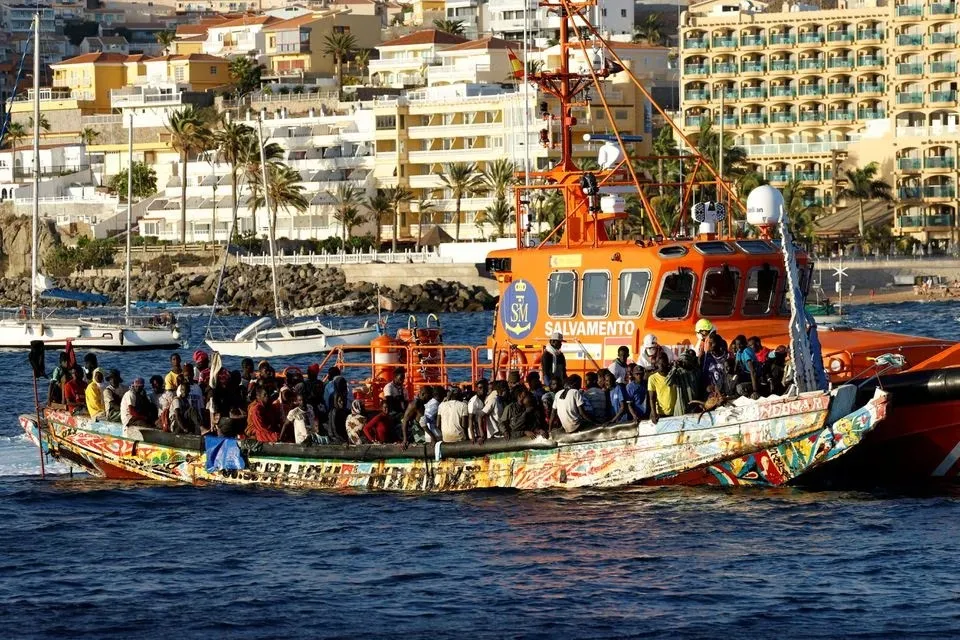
(83, 558)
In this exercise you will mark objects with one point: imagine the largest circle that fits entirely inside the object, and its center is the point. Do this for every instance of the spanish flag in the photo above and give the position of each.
(515, 64)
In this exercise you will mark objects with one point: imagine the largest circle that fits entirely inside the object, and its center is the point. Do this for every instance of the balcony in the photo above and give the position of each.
(939, 191)
(729, 94)
(811, 65)
(840, 36)
(939, 220)
(909, 10)
(753, 92)
(910, 222)
(871, 114)
(910, 68)
(724, 43)
(811, 90)
(750, 119)
(692, 121)
(690, 69)
(867, 62)
(724, 68)
(752, 41)
(782, 117)
(941, 97)
(840, 63)
(910, 40)
(938, 162)
(869, 34)
(813, 37)
(144, 96)
(398, 64)
(730, 121)
(812, 116)
(943, 37)
(782, 40)
(783, 65)
(943, 9)
(696, 96)
(865, 87)
(909, 193)
(782, 92)
(908, 164)
(695, 43)
(840, 90)
(778, 176)
(795, 147)
(910, 98)
(943, 67)
(812, 202)
(840, 115)
(808, 176)
(753, 67)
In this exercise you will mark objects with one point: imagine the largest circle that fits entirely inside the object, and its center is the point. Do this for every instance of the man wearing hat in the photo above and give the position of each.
(552, 362)
(202, 363)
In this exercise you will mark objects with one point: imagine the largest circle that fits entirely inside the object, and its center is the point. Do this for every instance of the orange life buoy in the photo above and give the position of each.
(512, 360)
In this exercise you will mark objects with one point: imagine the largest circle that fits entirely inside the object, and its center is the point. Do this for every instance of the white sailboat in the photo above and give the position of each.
(275, 337)
(115, 334)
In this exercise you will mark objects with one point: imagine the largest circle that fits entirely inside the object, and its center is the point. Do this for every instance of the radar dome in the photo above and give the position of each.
(764, 205)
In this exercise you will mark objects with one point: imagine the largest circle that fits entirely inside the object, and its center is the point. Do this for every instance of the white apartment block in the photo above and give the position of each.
(612, 18)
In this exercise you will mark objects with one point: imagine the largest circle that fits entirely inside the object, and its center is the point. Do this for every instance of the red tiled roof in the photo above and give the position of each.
(293, 23)
(484, 43)
(99, 57)
(192, 57)
(246, 21)
(426, 36)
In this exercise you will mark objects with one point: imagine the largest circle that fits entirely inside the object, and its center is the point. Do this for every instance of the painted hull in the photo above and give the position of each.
(769, 442)
(85, 334)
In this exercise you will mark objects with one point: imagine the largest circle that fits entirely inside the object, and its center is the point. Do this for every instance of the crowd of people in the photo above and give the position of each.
(257, 403)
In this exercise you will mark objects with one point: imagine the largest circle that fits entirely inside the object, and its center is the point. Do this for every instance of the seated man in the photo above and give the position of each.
(621, 404)
(113, 395)
(569, 407)
(73, 389)
(302, 421)
(94, 395)
(183, 417)
(263, 419)
(132, 404)
(522, 417)
(379, 428)
(452, 417)
(596, 398)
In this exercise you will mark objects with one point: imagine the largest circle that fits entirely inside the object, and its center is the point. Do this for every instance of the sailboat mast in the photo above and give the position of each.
(266, 203)
(35, 228)
(126, 308)
(566, 134)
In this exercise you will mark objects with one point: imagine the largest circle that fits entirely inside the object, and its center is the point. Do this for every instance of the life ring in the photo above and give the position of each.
(289, 370)
(512, 359)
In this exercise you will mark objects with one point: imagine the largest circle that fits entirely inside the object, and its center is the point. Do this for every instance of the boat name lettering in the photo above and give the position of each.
(574, 328)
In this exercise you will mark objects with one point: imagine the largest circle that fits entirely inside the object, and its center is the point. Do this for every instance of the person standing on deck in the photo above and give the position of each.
(553, 364)
(662, 396)
(705, 329)
(619, 367)
(746, 369)
(395, 395)
(649, 353)
(452, 417)
(637, 392)
(90, 365)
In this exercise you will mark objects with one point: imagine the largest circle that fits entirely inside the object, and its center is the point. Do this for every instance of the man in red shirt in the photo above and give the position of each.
(264, 421)
(378, 429)
(73, 389)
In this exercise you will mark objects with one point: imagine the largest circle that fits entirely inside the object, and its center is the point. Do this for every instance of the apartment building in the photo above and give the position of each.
(614, 18)
(405, 61)
(295, 47)
(808, 92)
(473, 14)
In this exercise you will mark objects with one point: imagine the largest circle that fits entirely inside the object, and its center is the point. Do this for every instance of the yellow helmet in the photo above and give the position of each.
(704, 325)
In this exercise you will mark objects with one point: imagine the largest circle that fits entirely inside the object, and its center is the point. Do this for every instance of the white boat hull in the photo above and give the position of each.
(85, 334)
(292, 340)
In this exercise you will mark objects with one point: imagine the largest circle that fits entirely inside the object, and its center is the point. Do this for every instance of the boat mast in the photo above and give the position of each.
(126, 308)
(35, 228)
(266, 203)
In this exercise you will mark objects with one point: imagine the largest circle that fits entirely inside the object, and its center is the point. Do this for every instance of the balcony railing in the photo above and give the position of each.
(692, 121)
(795, 147)
(841, 116)
(811, 64)
(782, 65)
(908, 164)
(910, 98)
(910, 68)
(943, 37)
(811, 90)
(753, 92)
(869, 61)
(812, 116)
(840, 36)
(909, 10)
(865, 87)
(754, 118)
(782, 117)
(909, 193)
(840, 63)
(910, 222)
(696, 95)
(730, 94)
(870, 34)
(21, 172)
(939, 220)
(695, 43)
(871, 114)
(943, 67)
(724, 42)
(943, 96)
(943, 9)
(725, 67)
(938, 162)
(753, 67)
(840, 89)
(939, 191)
(778, 176)
(780, 39)
(782, 92)
(752, 41)
(730, 121)
(808, 176)
(910, 40)
(811, 38)
(696, 69)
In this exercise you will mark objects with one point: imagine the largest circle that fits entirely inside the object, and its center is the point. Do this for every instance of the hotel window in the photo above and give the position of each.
(676, 292)
(213, 71)
(595, 298)
(761, 289)
(562, 294)
(633, 292)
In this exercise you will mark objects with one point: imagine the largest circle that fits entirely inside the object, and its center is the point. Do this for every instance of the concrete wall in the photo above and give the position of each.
(394, 275)
(880, 274)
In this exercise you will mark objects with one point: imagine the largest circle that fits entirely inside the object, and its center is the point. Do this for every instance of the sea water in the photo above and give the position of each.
(93, 559)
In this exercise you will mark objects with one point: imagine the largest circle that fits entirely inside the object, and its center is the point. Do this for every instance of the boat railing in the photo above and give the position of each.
(850, 365)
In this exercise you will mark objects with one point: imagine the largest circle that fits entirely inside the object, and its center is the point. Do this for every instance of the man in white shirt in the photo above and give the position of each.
(478, 421)
(430, 412)
(493, 406)
(394, 393)
(569, 408)
(305, 427)
(619, 366)
(453, 417)
(130, 403)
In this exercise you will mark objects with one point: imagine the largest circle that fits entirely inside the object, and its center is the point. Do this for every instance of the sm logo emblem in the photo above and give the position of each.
(518, 309)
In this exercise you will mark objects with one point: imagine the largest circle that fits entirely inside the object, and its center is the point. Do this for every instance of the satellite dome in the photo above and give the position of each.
(764, 205)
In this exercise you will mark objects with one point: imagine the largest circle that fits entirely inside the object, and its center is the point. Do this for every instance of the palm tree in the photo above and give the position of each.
(166, 38)
(188, 136)
(249, 159)
(284, 188)
(423, 209)
(245, 74)
(16, 133)
(748, 182)
(453, 27)
(708, 143)
(398, 196)
(346, 210)
(233, 139)
(379, 206)
(863, 184)
(44, 123)
(650, 30)
(551, 210)
(499, 214)
(362, 60)
(464, 181)
(500, 176)
(88, 136)
(800, 216)
(340, 46)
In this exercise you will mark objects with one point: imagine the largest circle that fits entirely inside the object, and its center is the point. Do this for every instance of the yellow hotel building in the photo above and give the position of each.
(807, 91)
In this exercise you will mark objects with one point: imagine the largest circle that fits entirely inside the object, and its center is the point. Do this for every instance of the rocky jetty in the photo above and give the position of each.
(15, 243)
(247, 290)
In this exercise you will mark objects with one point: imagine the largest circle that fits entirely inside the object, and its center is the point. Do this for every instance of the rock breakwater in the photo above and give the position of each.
(247, 290)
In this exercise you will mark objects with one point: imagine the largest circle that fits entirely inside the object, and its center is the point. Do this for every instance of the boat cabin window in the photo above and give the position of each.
(713, 248)
(562, 294)
(595, 298)
(676, 292)
(761, 291)
(633, 292)
(755, 247)
(720, 288)
(805, 276)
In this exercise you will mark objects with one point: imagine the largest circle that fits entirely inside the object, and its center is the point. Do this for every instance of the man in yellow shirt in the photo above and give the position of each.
(94, 395)
(170, 381)
(663, 396)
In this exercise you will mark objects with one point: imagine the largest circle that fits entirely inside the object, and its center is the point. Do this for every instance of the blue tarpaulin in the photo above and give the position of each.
(76, 296)
(223, 454)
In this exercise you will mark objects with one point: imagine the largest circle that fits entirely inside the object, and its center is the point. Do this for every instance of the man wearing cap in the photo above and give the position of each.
(704, 329)
(649, 352)
(202, 362)
(131, 406)
(552, 362)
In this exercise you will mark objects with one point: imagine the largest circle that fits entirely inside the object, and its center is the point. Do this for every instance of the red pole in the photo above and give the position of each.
(36, 400)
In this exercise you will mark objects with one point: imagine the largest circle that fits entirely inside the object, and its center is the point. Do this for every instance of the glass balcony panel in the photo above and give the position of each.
(753, 92)
(724, 67)
(693, 121)
(781, 92)
(943, 37)
(810, 38)
(870, 88)
(910, 40)
(811, 90)
(939, 191)
(910, 221)
(943, 9)
(780, 39)
(778, 176)
(870, 34)
(872, 114)
(697, 95)
(812, 116)
(840, 89)
(782, 65)
(754, 118)
(811, 64)
(751, 41)
(753, 67)
(910, 68)
(908, 10)
(840, 36)
(908, 193)
(909, 164)
(724, 42)
(909, 98)
(869, 61)
(782, 118)
(938, 162)
(937, 220)
(695, 43)
(808, 176)
(840, 63)
(943, 96)
(843, 116)
(696, 69)
(943, 67)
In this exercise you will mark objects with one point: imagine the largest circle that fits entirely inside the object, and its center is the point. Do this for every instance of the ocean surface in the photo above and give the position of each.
(84, 558)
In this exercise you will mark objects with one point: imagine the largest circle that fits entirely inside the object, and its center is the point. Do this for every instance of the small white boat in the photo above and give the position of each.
(265, 338)
(88, 333)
